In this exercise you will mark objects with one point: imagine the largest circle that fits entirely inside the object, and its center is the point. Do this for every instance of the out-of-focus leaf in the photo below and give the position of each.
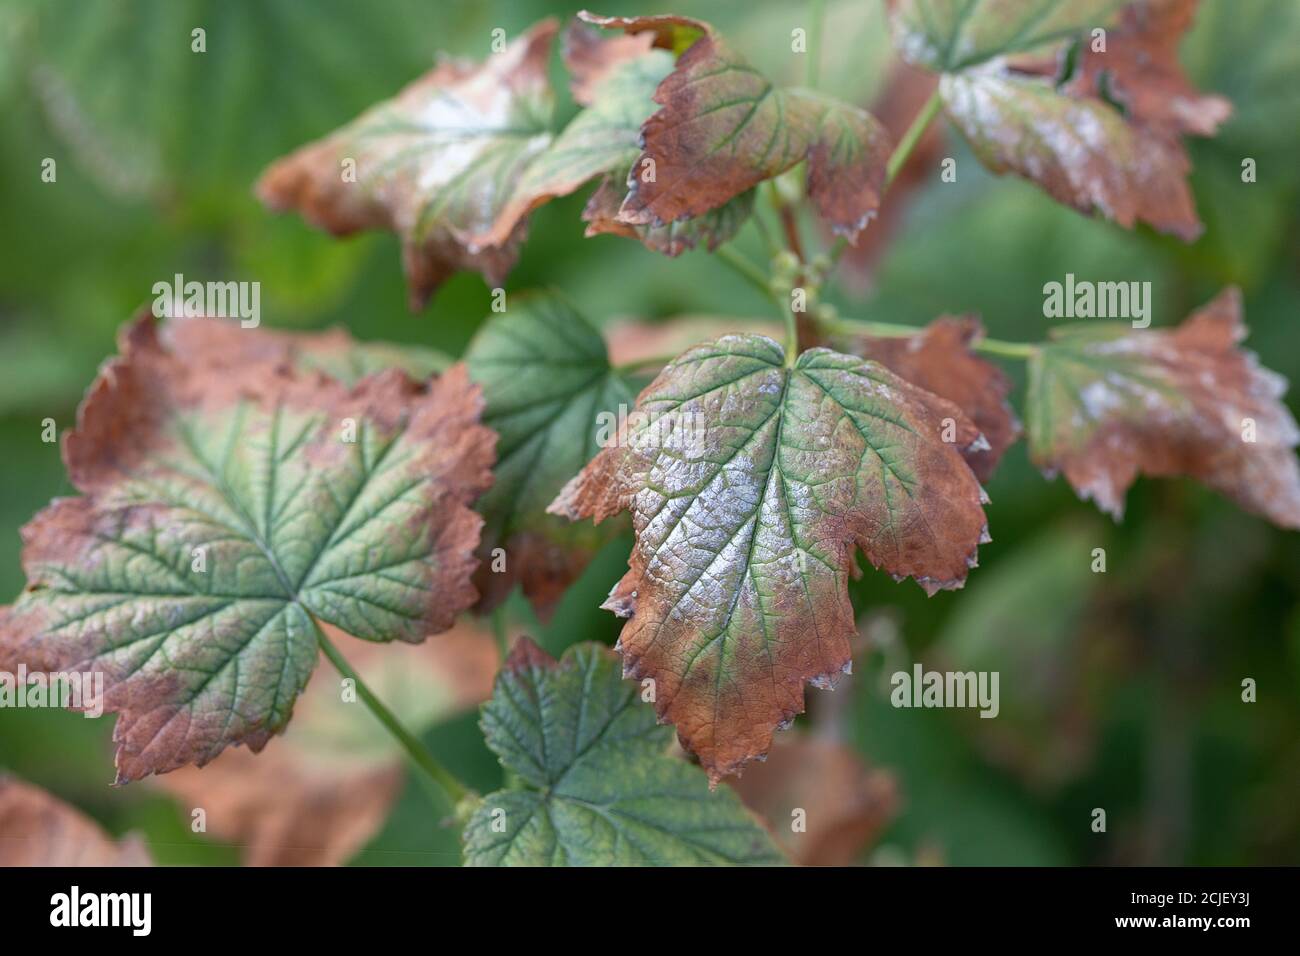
(549, 393)
(38, 829)
(228, 508)
(750, 485)
(436, 164)
(1051, 120)
(1022, 620)
(1107, 403)
(825, 806)
(596, 786)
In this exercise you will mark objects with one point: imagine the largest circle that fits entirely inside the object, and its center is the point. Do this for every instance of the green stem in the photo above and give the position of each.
(816, 14)
(452, 788)
(500, 632)
(747, 270)
(913, 136)
(1022, 350)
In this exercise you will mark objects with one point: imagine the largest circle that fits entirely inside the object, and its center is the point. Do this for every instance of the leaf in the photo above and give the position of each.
(322, 793)
(1107, 403)
(223, 516)
(1067, 136)
(750, 483)
(595, 785)
(670, 238)
(948, 36)
(939, 360)
(547, 383)
(845, 805)
(723, 129)
(38, 829)
(615, 79)
(435, 164)
(333, 352)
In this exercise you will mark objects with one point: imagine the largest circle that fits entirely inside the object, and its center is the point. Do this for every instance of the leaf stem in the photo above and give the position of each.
(913, 136)
(500, 632)
(746, 269)
(1020, 350)
(453, 789)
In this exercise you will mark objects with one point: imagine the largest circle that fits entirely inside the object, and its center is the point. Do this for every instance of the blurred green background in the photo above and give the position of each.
(1119, 690)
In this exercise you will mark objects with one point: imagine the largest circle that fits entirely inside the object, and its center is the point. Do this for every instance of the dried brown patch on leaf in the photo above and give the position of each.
(1107, 403)
(231, 504)
(603, 209)
(843, 804)
(590, 57)
(435, 164)
(750, 486)
(1140, 69)
(939, 359)
(38, 829)
(320, 794)
(723, 128)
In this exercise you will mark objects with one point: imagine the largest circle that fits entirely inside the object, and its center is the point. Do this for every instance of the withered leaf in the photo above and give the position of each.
(845, 804)
(435, 164)
(711, 229)
(228, 508)
(333, 352)
(939, 359)
(1001, 90)
(750, 484)
(323, 792)
(594, 784)
(1107, 403)
(723, 128)
(38, 829)
(550, 395)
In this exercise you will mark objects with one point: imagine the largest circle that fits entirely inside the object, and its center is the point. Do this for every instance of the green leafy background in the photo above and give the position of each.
(157, 149)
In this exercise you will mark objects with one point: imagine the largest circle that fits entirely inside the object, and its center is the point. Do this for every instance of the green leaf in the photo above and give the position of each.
(549, 393)
(229, 507)
(951, 35)
(751, 485)
(595, 784)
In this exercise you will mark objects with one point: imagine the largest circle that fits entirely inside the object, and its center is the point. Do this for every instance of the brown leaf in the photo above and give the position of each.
(940, 360)
(320, 794)
(723, 129)
(435, 164)
(1107, 403)
(1140, 69)
(591, 57)
(224, 514)
(38, 829)
(751, 485)
(1074, 143)
(846, 805)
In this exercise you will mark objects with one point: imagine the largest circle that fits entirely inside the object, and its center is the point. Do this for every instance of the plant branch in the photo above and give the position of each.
(746, 269)
(1020, 350)
(452, 788)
